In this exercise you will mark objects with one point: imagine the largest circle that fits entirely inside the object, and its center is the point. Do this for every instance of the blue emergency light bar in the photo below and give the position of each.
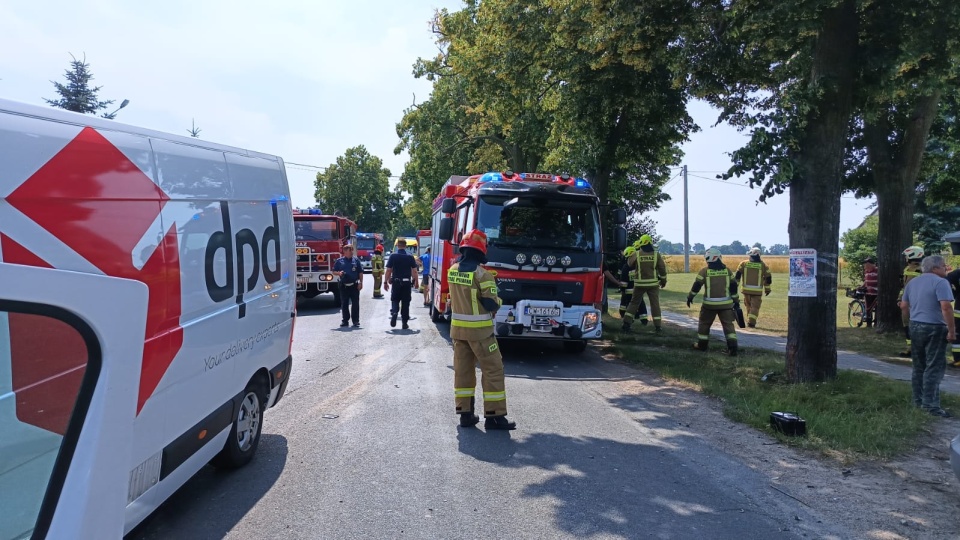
(308, 211)
(534, 177)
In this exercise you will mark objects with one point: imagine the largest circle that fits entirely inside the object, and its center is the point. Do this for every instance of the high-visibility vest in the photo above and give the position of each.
(469, 320)
(646, 269)
(717, 288)
(752, 280)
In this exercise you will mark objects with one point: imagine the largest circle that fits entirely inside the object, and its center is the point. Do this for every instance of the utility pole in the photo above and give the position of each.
(686, 225)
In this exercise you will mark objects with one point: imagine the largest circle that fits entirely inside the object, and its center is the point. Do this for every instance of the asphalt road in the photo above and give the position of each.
(365, 444)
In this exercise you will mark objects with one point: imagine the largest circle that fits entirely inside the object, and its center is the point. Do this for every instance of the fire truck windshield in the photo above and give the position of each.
(316, 229)
(366, 243)
(518, 222)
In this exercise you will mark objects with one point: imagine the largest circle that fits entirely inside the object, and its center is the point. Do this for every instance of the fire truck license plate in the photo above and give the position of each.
(544, 311)
(303, 279)
(302, 251)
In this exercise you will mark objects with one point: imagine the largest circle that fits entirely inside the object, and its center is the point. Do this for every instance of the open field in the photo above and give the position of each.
(773, 315)
(779, 264)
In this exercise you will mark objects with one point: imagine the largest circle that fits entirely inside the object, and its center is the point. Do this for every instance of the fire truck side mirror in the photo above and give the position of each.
(446, 227)
(620, 237)
(448, 206)
(619, 216)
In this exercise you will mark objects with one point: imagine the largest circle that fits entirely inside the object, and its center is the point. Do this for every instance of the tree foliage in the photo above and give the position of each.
(584, 87)
(860, 243)
(357, 186)
(77, 95)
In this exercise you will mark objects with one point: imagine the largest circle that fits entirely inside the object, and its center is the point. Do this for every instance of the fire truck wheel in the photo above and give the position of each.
(244, 434)
(435, 314)
(577, 346)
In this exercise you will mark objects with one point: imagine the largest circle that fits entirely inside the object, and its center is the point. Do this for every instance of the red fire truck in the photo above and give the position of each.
(320, 239)
(545, 245)
(366, 243)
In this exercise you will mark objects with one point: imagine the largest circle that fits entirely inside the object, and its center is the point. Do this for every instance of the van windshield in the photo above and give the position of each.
(316, 229)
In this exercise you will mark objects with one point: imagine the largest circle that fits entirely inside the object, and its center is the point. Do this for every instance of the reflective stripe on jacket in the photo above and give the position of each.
(717, 283)
(753, 276)
(648, 268)
(376, 264)
(469, 320)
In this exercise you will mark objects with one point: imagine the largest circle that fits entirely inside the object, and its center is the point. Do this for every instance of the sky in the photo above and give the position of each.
(306, 80)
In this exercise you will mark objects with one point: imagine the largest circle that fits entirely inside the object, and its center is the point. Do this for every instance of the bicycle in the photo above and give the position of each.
(857, 313)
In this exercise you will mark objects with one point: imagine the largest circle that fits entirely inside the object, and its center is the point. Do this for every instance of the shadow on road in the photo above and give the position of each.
(224, 497)
(319, 305)
(608, 488)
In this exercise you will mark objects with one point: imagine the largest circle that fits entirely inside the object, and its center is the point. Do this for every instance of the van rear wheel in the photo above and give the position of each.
(244, 437)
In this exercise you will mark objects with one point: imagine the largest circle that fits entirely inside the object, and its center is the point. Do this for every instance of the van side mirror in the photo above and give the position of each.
(620, 237)
(446, 226)
(619, 216)
(448, 206)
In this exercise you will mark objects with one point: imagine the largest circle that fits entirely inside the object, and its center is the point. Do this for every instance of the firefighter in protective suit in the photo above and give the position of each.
(914, 255)
(720, 299)
(649, 276)
(755, 280)
(376, 266)
(473, 304)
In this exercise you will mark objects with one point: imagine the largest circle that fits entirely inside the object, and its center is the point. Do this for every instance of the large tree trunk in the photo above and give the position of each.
(895, 180)
(815, 196)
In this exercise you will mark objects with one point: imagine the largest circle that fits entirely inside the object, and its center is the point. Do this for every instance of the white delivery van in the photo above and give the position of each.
(147, 301)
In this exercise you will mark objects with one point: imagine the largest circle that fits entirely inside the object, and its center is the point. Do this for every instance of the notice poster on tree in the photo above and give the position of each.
(803, 272)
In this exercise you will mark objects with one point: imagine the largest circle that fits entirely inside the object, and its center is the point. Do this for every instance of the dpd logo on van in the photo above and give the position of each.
(235, 248)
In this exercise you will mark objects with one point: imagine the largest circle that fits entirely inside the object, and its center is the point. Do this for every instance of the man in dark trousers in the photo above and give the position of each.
(351, 281)
(402, 276)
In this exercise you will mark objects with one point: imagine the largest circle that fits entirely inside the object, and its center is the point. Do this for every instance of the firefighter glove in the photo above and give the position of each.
(663, 283)
(766, 292)
(689, 300)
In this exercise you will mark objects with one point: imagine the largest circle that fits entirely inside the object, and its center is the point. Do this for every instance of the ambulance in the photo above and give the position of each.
(147, 301)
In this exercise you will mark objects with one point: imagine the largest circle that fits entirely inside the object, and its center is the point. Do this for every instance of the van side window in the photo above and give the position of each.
(47, 374)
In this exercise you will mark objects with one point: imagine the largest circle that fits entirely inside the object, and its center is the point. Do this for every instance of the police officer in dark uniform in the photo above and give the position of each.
(351, 281)
(402, 276)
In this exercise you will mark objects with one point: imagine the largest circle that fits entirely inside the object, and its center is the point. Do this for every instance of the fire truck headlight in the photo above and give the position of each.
(566, 260)
(551, 260)
(521, 258)
(590, 321)
(536, 259)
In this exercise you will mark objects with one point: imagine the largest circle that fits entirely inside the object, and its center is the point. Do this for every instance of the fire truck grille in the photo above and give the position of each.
(568, 293)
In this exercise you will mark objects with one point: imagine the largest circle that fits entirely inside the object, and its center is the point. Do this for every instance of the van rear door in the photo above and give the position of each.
(70, 350)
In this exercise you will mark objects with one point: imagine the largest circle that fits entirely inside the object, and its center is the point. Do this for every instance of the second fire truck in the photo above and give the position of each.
(545, 246)
(320, 240)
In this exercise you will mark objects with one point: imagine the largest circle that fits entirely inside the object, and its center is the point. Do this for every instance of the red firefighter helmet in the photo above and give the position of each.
(378, 249)
(475, 239)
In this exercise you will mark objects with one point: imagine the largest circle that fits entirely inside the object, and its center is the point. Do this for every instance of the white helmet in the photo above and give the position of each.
(712, 255)
(754, 252)
(913, 252)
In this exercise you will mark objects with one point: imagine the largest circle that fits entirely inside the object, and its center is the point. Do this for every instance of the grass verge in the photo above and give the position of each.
(859, 415)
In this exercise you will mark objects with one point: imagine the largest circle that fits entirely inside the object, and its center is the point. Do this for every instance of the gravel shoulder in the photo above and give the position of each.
(913, 496)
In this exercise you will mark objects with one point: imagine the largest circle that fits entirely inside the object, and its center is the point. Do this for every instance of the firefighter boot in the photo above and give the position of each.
(499, 422)
(469, 419)
(731, 348)
(701, 345)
